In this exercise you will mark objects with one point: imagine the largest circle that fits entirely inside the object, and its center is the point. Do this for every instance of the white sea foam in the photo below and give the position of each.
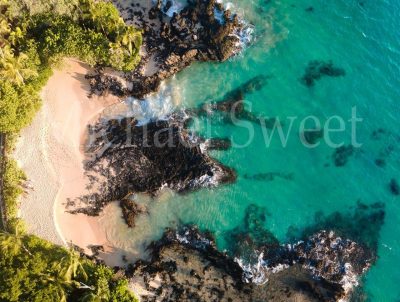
(246, 33)
(207, 181)
(157, 106)
(259, 271)
(255, 273)
(185, 238)
(177, 6)
(219, 15)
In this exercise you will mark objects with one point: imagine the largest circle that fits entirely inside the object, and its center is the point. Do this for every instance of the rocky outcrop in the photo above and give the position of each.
(186, 266)
(130, 210)
(202, 31)
(127, 158)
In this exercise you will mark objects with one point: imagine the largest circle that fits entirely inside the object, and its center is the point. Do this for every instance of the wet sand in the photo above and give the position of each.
(51, 152)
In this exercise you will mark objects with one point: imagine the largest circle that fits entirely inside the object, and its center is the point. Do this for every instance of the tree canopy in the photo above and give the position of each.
(35, 35)
(35, 270)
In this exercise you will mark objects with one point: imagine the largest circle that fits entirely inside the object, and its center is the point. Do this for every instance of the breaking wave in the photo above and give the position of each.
(176, 7)
(157, 106)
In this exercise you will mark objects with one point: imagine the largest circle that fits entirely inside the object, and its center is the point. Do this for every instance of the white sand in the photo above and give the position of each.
(50, 152)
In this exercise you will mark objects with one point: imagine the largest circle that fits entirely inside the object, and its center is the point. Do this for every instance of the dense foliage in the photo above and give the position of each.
(13, 178)
(32, 269)
(35, 35)
(35, 270)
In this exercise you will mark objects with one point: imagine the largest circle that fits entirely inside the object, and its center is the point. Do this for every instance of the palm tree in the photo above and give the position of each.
(99, 295)
(14, 242)
(60, 288)
(95, 13)
(14, 68)
(70, 267)
(9, 244)
(5, 27)
(132, 37)
(16, 35)
(62, 275)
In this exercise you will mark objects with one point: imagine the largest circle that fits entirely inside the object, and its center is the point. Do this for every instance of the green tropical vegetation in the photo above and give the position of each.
(35, 270)
(35, 35)
(13, 178)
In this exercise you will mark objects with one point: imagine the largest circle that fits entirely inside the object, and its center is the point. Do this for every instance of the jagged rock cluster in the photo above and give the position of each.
(186, 266)
(202, 31)
(333, 258)
(127, 158)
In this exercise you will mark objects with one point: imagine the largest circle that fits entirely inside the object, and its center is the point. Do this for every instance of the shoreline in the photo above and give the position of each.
(51, 153)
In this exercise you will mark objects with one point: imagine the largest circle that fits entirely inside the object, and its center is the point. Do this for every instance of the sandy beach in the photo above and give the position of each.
(50, 151)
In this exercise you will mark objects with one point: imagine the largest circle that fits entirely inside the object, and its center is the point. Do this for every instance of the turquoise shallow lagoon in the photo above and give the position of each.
(362, 37)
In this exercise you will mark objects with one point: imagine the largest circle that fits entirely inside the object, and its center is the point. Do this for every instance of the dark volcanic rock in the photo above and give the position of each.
(188, 267)
(193, 34)
(332, 258)
(361, 224)
(126, 158)
(218, 144)
(318, 69)
(202, 31)
(130, 210)
(105, 83)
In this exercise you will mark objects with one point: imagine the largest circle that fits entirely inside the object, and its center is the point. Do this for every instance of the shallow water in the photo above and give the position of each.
(361, 37)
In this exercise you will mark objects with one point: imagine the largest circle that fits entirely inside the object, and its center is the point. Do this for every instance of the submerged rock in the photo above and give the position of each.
(130, 210)
(361, 224)
(269, 176)
(394, 187)
(342, 154)
(318, 69)
(186, 266)
(232, 106)
(336, 249)
(311, 137)
(251, 238)
(126, 158)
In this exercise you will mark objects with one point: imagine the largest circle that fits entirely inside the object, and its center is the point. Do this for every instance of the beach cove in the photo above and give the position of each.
(289, 190)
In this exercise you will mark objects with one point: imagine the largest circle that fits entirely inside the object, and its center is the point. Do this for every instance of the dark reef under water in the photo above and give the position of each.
(312, 267)
(318, 69)
(232, 105)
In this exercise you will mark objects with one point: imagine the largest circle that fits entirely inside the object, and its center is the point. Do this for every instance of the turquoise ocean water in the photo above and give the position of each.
(361, 37)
